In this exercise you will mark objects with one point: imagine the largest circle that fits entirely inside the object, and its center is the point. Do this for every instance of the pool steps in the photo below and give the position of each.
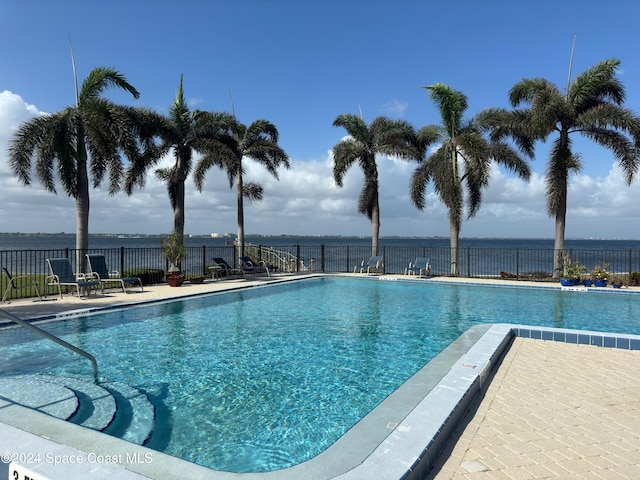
(110, 407)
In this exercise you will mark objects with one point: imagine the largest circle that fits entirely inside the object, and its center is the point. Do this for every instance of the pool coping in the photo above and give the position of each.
(411, 439)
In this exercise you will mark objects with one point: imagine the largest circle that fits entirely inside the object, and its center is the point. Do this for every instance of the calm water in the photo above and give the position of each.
(266, 378)
(60, 241)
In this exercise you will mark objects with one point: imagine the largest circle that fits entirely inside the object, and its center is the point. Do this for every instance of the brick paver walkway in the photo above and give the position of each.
(552, 410)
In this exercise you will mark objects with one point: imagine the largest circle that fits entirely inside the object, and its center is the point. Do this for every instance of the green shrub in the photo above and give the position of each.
(148, 276)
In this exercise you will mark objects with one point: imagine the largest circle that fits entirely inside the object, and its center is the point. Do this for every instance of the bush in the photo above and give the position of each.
(148, 276)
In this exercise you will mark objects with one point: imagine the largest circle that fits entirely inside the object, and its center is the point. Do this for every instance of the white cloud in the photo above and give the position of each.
(394, 108)
(307, 201)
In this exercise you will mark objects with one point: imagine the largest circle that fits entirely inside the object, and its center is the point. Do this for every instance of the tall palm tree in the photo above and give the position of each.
(87, 137)
(181, 133)
(231, 142)
(382, 137)
(461, 161)
(592, 106)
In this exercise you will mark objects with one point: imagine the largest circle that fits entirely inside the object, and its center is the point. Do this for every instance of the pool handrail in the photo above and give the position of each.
(59, 341)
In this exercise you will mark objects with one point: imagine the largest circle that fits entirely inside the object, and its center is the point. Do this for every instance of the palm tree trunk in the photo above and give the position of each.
(375, 228)
(178, 213)
(82, 205)
(240, 241)
(454, 232)
(558, 246)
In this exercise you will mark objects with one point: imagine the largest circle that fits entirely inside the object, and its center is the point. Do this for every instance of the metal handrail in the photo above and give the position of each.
(59, 341)
(282, 259)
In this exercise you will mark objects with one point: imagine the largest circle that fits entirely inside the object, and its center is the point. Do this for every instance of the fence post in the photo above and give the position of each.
(468, 261)
(384, 258)
(630, 264)
(517, 263)
(322, 258)
(297, 258)
(347, 266)
(122, 261)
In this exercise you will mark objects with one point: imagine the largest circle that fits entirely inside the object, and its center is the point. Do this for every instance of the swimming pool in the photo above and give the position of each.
(333, 349)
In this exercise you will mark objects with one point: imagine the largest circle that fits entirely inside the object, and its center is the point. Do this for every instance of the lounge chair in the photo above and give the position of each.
(18, 283)
(420, 267)
(100, 272)
(249, 266)
(62, 275)
(374, 265)
(226, 268)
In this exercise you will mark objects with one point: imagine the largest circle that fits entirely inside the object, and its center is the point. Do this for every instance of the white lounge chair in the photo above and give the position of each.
(100, 272)
(374, 265)
(62, 275)
(18, 283)
(420, 267)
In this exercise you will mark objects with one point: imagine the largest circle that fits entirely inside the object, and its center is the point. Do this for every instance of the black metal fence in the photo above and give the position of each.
(472, 262)
(514, 263)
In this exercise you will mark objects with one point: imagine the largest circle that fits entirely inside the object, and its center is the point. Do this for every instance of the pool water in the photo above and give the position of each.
(265, 378)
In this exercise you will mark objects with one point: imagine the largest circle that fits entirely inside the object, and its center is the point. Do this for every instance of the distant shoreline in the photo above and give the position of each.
(287, 235)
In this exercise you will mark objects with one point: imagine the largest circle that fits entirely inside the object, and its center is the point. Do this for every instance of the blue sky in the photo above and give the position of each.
(300, 64)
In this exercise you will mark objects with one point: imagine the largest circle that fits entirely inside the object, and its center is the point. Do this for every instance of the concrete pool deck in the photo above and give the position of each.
(550, 409)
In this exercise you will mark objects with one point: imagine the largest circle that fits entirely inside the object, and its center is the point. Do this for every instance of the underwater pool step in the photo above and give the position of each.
(113, 408)
(29, 391)
(135, 418)
(97, 405)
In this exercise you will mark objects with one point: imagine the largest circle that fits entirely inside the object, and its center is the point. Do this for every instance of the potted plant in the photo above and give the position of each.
(600, 275)
(175, 252)
(618, 281)
(572, 272)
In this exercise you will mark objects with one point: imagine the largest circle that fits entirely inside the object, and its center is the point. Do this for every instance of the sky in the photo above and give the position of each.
(300, 64)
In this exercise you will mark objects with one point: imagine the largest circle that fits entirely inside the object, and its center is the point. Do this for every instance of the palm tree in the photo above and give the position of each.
(87, 137)
(230, 142)
(592, 106)
(181, 133)
(461, 161)
(364, 143)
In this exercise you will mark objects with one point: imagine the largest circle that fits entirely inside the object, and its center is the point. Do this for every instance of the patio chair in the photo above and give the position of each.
(62, 275)
(374, 265)
(100, 272)
(226, 268)
(420, 266)
(18, 283)
(249, 266)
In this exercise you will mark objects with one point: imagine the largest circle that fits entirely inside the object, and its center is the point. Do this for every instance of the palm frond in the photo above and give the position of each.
(418, 186)
(100, 79)
(345, 154)
(253, 192)
(451, 103)
(597, 83)
(355, 127)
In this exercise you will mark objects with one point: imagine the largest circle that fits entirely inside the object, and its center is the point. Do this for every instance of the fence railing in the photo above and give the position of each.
(517, 263)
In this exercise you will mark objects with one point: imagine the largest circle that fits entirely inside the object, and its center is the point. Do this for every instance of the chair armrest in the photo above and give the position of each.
(88, 277)
(14, 279)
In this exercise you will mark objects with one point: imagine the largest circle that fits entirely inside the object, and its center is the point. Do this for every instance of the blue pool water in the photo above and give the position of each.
(265, 378)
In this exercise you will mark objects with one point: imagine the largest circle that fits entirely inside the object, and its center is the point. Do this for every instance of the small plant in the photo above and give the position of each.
(600, 272)
(618, 280)
(174, 250)
(572, 270)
